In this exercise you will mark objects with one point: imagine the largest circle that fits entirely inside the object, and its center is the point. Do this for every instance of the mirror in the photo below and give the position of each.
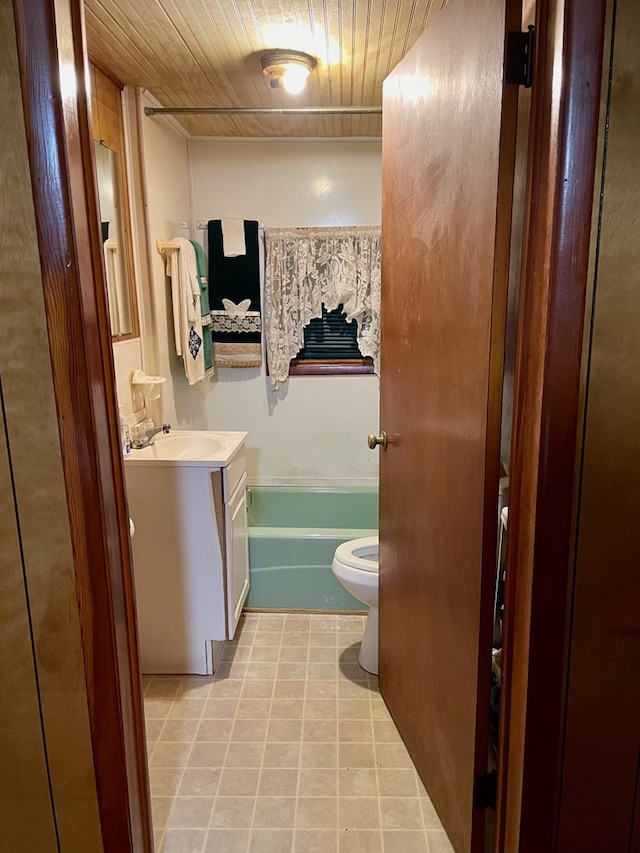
(119, 285)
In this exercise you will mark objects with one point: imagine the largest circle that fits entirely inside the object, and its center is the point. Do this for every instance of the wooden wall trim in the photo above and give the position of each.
(563, 144)
(52, 67)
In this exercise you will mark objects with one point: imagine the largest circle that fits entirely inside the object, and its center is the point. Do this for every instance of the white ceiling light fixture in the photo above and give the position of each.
(288, 69)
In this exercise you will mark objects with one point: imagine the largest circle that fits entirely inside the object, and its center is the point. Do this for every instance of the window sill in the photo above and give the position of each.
(348, 367)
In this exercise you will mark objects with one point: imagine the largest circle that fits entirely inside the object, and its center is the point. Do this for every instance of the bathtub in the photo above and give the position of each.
(293, 533)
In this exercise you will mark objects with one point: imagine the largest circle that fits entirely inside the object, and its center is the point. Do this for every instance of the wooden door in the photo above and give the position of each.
(448, 134)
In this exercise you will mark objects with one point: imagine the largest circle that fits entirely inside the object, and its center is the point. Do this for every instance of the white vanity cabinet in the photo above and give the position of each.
(187, 494)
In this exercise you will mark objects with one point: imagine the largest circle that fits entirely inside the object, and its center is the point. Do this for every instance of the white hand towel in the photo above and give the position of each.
(233, 244)
(187, 323)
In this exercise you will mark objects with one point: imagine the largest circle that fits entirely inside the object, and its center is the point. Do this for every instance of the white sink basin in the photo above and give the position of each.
(188, 447)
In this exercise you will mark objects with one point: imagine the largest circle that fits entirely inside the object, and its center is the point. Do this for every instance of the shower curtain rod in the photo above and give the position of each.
(221, 111)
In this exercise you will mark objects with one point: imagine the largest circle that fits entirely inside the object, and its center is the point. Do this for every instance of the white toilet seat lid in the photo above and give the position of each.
(359, 554)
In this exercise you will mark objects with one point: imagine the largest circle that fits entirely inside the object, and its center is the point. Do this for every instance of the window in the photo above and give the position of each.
(330, 347)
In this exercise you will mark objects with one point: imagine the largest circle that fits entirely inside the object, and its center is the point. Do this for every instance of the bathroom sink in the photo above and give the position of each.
(188, 447)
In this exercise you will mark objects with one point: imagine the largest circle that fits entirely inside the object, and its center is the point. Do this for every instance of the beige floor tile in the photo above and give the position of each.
(265, 654)
(232, 669)
(278, 782)
(288, 749)
(297, 621)
(287, 709)
(257, 689)
(385, 731)
(184, 841)
(322, 654)
(317, 782)
(238, 782)
(295, 638)
(254, 709)
(187, 708)
(403, 841)
(319, 755)
(438, 842)
(352, 689)
(239, 653)
(249, 730)
(227, 841)
(271, 841)
(379, 710)
(274, 813)
(200, 782)
(400, 813)
(207, 754)
(429, 814)
(158, 838)
(358, 813)
(355, 731)
(260, 670)
(190, 813)
(287, 689)
(226, 688)
(160, 808)
(281, 755)
(220, 709)
(316, 812)
(322, 638)
(233, 812)
(322, 690)
(158, 687)
(355, 755)
(284, 731)
(392, 755)
(319, 731)
(214, 730)
(320, 709)
(267, 638)
(244, 754)
(354, 709)
(157, 708)
(293, 654)
(292, 671)
(165, 781)
(195, 687)
(315, 841)
(357, 782)
(360, 841)
(397, 782)
(170, 754)
(184, 730)
(153, 728)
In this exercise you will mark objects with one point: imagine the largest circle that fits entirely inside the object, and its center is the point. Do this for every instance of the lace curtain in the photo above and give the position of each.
(309, 267)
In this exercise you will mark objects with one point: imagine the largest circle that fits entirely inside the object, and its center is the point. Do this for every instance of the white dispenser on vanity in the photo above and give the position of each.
(187, 493)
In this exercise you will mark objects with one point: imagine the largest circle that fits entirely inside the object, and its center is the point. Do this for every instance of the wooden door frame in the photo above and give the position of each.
(547, 403)
(53, 71)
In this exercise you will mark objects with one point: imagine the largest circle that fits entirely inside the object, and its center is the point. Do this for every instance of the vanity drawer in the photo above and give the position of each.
(234, 472)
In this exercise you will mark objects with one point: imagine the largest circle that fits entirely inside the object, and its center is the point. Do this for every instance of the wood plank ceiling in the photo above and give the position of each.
(206, 53)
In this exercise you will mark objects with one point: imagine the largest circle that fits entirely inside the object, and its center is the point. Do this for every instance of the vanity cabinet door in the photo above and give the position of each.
(237, 555)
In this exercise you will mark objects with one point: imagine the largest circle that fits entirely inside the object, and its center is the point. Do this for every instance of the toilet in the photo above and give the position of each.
(355, 564)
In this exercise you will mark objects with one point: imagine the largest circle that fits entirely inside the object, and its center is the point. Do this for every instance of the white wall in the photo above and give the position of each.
(315, 428)
(168, 211)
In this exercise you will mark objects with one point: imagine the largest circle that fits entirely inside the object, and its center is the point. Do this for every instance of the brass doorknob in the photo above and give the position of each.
(374, 440)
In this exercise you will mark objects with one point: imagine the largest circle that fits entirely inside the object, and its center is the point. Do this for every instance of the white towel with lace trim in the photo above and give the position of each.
(185, 296)
(233, 244)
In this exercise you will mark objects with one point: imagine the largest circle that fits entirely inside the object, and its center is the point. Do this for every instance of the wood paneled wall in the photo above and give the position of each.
(48, 799)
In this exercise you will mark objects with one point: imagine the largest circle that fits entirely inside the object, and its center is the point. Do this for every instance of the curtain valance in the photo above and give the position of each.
(307, 268)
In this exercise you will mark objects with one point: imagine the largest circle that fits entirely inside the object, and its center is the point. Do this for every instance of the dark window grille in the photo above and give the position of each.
(331, 338)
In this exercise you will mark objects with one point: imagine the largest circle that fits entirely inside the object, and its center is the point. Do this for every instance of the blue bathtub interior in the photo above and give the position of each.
(293, 534)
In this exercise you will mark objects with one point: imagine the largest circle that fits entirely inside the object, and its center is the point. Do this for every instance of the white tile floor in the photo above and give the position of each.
(289, 748)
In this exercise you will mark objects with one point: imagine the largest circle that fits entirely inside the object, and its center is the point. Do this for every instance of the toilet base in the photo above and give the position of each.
(368, 657)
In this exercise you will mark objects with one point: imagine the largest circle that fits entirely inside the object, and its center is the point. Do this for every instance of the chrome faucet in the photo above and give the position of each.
(149, 436)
